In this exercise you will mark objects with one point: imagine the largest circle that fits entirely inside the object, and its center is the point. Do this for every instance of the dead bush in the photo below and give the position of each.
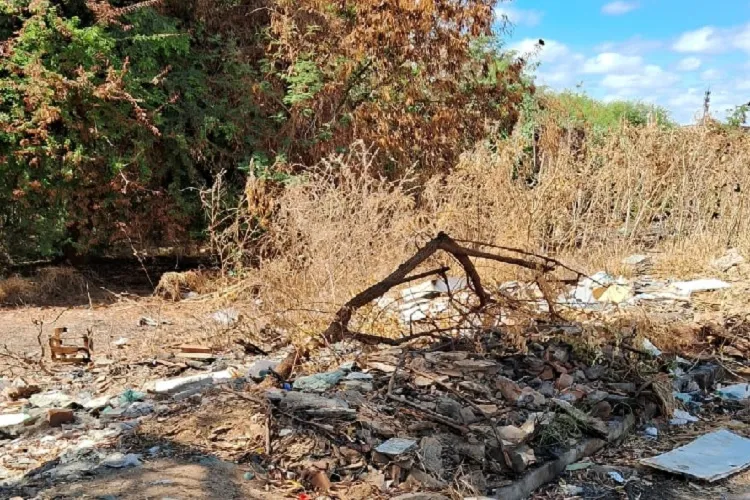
(681, 193)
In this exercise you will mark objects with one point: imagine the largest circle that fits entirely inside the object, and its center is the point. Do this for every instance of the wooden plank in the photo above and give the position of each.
(203, 356)
(196, 348)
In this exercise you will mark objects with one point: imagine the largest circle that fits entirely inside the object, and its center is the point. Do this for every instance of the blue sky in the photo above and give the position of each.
(666, 52)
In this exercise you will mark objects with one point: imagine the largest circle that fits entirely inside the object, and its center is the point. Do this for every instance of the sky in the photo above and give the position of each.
(667, 52)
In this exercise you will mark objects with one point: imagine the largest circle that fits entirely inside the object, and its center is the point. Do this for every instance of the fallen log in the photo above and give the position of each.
(549, 471)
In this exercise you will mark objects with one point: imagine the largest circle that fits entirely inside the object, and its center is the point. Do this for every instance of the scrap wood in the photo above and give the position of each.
(549, 471)
(338, 329)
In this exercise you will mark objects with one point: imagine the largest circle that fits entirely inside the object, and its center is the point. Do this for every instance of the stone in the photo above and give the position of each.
(449, 407)
(467, 416)
(418, 478)
(51, 399)
(595, 372)
(730, 259)
(547, 389)
(564, 381)
(261, 368)
(602, 410)
(521, 457)
(97, 403)
(421, 496)
(530, 398)
(56, 417)
(508, 389)
(431, 453)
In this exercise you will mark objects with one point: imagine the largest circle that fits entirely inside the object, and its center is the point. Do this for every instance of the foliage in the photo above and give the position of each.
(737, 117)
(580, 109)
(115, 114)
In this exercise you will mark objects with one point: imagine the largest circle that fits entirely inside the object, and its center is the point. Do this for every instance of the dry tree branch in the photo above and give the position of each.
(339, 328)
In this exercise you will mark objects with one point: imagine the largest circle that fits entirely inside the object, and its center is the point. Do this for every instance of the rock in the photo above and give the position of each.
(547, 374)
(521, 457)
(467, 416)
(508, 389)
(530, 398)
(597, 396)
(431, 453)
(637, 260)
(97, 403)
(602, 410)
(396, 446)
(14, 393)
(730, 259)
(558, 352)
(418, 478)
(462, 447)
(488, 409)
(51, 399)
(421, 496)
(449, 407)
(138, 409)
(56, 417)
(547, 389)
(595, 372)
(651, 432)
(564, 381)
(260, 369)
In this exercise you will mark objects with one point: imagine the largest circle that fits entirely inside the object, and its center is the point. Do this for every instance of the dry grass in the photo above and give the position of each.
(48, 285)
(678, 194)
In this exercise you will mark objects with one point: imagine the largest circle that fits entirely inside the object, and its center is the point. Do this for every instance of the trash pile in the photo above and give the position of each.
(468, 412)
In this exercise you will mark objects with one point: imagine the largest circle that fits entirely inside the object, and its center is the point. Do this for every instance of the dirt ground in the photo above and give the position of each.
(200, 466)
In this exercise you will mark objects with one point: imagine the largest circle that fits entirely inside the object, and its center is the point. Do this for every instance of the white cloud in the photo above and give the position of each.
(636, 45)
(710, 75)
(610, 62)
(552, 51)
(703, 40)
(689, 64)
(741, 39)
(520, 16)
(618, 8)
(648, 77)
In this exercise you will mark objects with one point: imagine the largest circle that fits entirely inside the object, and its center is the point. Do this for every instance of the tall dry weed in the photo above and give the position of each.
(680, 192)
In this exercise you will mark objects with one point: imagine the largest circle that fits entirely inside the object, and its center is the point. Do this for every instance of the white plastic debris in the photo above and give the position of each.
(711, 457)
(119, 460)
(121, 342)
(650, 348)
(226, 316)
(181, 383)
(681, 417)
(686, 288)
(652, 432)
(11, 419)
(616, 477)
(736, 391)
